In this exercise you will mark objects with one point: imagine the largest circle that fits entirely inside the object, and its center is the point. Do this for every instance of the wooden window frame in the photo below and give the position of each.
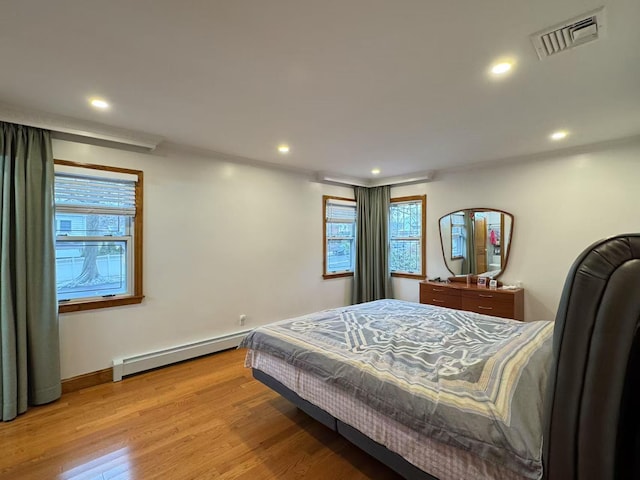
(423, 242)
(325, 275)
(137, 295)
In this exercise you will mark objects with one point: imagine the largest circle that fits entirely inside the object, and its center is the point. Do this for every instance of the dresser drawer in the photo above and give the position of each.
(487, 295)
(439, 295)
(488, 307)
(449, 301)
(437, 289)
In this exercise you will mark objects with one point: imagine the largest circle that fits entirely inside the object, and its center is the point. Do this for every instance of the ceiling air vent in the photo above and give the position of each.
(569, 34)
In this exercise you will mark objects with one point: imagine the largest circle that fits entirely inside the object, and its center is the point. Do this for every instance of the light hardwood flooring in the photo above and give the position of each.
(203, 419)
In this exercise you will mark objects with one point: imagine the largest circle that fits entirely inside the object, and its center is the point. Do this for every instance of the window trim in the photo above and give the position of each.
(137, 295)
(423, 235)
(325, 199)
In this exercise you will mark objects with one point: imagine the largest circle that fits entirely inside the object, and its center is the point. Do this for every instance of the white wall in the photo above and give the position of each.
(561, 205)
(220, 239)
(223, 239)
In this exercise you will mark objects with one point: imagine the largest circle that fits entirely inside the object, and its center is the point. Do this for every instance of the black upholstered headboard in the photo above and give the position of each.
(593, 397)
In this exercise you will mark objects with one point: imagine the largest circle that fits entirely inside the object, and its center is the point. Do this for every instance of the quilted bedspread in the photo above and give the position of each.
(472, 381)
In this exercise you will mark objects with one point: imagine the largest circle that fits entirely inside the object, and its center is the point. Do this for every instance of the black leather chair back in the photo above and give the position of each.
(593, 398)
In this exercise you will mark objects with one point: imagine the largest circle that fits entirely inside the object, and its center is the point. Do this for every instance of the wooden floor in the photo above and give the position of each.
(207, 418)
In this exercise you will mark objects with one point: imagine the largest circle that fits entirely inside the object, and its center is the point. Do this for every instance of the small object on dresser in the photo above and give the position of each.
(493, 284)
(468, 280)
(482, 281)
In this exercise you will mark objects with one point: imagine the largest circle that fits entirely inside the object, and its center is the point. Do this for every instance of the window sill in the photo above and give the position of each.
(337, 275)
(94, 304)
(409, 275)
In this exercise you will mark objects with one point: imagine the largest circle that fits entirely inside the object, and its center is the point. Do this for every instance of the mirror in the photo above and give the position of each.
(476, 241)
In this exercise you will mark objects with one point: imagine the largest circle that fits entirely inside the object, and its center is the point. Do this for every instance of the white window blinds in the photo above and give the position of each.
(77, 194)
(339, 211)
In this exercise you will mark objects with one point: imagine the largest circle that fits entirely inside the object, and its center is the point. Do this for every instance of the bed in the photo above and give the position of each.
(443, 394)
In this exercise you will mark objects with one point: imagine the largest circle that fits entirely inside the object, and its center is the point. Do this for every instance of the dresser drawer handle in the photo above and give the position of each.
(485, 308)
(437, 301)
(485, 296)
(437, 289)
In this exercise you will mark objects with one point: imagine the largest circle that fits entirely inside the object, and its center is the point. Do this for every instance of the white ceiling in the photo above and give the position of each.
(401, 85)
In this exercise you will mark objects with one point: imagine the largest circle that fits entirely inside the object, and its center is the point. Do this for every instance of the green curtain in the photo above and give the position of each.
(371, 277)
(29, 344)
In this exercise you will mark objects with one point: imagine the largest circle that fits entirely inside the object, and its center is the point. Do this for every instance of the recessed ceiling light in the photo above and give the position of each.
(559, 135)
(99, 103)
(375, 171)
(283, 148)
(501, 68)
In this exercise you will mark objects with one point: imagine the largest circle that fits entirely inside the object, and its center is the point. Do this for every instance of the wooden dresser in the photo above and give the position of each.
(499, 303)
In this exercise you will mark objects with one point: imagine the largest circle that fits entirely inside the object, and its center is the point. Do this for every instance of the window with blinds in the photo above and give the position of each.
(96, 223)
(458, 236)
(339, 221)
(406, 236)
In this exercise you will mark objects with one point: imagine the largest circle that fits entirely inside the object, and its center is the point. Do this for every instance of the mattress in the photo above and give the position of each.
(440, 460)
(470, 381)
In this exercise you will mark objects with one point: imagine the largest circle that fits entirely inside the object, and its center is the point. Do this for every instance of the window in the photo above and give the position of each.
(458, 236)
(98, 223)
(64, 225)
(339, 226)
(406, 236)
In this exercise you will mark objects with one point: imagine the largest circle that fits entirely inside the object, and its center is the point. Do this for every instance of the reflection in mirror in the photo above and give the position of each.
(476, 241)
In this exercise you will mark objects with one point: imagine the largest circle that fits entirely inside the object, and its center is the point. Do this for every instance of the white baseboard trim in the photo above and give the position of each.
(147, 361)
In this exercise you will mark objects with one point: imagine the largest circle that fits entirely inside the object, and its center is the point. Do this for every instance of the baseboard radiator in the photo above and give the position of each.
(147, 361)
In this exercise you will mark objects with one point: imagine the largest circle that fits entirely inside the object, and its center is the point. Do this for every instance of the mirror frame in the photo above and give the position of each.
(479, 209)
